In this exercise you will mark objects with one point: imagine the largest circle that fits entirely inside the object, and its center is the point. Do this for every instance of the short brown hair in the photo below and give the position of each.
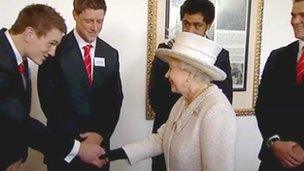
(294, 1)
(41, 18)
(81, 5)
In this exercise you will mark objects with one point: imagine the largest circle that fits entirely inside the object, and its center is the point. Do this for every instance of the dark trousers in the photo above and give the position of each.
(75, 165)
(158, 163)
(275, 166)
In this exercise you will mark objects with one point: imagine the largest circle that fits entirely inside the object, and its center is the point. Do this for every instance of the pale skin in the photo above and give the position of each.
(289, 153)
(181, 81)
(89, 23)
(194, 23)
(15, 166)
(91, 137)
(38, 49)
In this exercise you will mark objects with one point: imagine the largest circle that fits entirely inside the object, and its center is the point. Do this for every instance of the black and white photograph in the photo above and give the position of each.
(232, 35)
(231, 16)
(239, 34)
(237, 72)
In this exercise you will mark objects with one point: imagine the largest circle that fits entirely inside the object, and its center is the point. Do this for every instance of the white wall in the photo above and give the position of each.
(277, 30)
(125, 28)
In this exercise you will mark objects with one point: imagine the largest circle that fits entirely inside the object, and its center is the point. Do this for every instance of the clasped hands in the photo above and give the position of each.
(90, 150)
(289, 153)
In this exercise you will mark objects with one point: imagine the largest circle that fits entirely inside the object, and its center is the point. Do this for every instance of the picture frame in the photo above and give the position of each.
(245, 72)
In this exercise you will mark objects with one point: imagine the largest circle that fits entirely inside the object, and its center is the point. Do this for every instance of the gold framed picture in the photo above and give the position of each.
(237, 29)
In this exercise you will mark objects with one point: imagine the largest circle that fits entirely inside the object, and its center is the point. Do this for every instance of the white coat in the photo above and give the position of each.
(196, 137)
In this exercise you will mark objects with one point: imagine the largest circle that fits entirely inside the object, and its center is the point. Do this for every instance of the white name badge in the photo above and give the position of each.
(99, 62)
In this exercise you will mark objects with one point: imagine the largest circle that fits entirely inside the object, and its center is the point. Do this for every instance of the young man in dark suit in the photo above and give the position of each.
(80, 89)
(197, 17)
(280, 106)
(34, 35)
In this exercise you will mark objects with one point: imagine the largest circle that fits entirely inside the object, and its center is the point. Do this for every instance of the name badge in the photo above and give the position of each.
(99, 62)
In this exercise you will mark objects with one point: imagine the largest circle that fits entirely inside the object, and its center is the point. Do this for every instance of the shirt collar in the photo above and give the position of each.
(16, 52)
(82, 42)
(301, 45)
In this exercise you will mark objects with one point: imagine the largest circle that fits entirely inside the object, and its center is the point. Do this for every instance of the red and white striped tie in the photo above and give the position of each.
(21, 68)
(88, 62)
(300, 69)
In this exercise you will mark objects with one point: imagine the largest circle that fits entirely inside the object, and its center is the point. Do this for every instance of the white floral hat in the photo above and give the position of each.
(195, 50)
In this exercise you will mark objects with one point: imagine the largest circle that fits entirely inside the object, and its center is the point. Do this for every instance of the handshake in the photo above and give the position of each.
(90, 151)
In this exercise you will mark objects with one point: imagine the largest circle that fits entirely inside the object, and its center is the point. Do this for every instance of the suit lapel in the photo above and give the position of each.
(75, 75)
(72, 63)
(28, 89)
(99, 71)
(8, 57)
(9, 64)
(292, 52)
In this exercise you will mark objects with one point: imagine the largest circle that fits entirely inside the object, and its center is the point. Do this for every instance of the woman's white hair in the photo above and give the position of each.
(198, 76)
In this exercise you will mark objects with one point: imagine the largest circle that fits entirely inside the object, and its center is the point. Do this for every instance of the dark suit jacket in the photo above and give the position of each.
(17, 128)
(280, 105)
(161, 97)
(69, 103)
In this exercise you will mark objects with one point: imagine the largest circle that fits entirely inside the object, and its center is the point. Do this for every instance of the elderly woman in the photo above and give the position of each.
(200, 133)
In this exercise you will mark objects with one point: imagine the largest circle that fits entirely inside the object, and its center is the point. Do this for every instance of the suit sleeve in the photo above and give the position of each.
(223, 63)
(52, 142)
(52, 93)
(48, 142)
(112, 104)
(21, 129)
(10, 104)
(267, 105)
(12, 122)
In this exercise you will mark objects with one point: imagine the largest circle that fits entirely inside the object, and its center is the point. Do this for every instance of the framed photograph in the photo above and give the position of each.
(237, 28)
(233, 34)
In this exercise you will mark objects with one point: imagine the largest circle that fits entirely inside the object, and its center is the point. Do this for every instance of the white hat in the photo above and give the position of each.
(195, 50)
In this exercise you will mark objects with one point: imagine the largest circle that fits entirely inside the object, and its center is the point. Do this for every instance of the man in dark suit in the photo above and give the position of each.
(197, 17)
(34, 35)
(280, 106)
(80, 90)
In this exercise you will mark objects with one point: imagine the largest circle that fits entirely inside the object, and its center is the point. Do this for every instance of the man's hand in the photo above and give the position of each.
(288, 153)
(297, 149)
(90, 154)
(15, 166)
(91, 137)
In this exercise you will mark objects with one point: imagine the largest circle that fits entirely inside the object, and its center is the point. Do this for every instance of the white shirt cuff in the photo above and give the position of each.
(73, 152)
(274, 136)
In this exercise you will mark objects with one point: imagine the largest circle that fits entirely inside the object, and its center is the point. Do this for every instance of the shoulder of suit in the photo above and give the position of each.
(280, 54)
(292, 46)
(167, 45)
(104, 44)
(66, 41)
(224, 51)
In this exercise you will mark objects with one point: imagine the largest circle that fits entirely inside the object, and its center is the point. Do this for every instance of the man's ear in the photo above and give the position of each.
(29, 33)
(75, 15)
